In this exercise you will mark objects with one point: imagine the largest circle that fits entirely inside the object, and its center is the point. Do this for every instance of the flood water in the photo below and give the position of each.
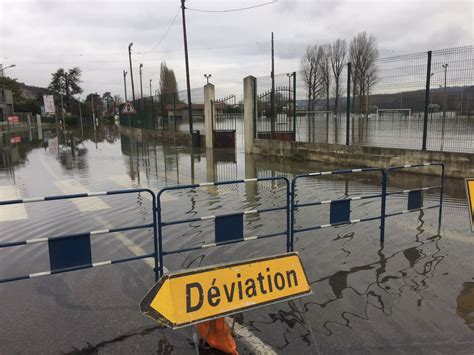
(412, 294)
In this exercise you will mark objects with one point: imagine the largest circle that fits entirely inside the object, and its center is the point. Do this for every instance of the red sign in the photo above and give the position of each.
(13, 119)
(16, 139)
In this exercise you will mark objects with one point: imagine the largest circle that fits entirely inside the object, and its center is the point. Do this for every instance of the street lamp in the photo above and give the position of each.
(131, 69)
(207, 76)
(150, 88)
(125, 84)
(141, 85)
(3, 68)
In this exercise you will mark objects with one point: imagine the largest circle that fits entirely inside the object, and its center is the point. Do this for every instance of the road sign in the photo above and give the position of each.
(192, 296)
(16, 139)
(13, 119)
(128, 108)
(470, 200)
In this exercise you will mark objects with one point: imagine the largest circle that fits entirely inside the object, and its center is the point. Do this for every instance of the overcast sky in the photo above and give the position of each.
(40, 36)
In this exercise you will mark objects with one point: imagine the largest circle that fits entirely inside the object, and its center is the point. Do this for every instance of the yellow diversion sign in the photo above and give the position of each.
(470, 200)
(192, 296)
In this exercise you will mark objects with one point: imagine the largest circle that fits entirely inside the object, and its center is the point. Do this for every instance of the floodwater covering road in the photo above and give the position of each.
(415, 293)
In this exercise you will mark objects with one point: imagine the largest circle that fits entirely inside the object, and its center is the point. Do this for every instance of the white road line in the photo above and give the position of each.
(254, 344)
(86, 204)
(11, 212)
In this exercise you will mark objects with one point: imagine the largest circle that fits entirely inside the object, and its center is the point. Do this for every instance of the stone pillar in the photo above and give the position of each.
(209, 114)
(250, 95)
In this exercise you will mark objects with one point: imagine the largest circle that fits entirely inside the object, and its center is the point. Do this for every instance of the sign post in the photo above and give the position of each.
(470, 200)
(128, 108)
(192, 296)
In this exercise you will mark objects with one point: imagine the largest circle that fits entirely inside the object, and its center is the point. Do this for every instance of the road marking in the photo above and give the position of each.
(254, 344)
(83, 204)
(11, 212)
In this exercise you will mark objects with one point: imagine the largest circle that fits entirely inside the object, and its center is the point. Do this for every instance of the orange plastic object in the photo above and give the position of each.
(217, 334)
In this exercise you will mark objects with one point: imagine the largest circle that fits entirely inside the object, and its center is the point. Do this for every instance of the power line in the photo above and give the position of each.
(234, 10)
(164, 35)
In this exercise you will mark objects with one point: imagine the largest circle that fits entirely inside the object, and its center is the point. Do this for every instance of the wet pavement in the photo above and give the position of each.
(413, 294)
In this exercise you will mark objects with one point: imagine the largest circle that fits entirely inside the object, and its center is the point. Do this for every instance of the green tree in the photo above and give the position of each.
(66, 83)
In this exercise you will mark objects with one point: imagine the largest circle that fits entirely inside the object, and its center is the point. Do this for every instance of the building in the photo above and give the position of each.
(6, 104)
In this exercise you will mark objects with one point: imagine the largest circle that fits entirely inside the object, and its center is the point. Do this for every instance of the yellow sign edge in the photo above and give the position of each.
(469, 203)
(145, 303)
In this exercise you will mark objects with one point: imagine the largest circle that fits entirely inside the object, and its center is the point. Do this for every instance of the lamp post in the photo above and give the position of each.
(125, 84)
(445, 67)
(131, 68)
(150, 88)
(3, 68)
(141, 84)
(207, 76)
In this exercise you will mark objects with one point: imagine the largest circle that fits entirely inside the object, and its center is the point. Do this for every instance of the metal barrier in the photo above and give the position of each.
(415, 196)
(71, 252)
(229, 227)
(340, 210)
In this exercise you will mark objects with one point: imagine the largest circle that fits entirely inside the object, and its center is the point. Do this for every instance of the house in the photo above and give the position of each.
(6, 104)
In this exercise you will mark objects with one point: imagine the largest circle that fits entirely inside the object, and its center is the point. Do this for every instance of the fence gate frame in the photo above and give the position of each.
(224, 123)
(274, 100)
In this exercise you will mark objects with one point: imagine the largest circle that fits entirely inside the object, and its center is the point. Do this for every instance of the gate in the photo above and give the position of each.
(276, 114)
(71, 252)
(226, 111)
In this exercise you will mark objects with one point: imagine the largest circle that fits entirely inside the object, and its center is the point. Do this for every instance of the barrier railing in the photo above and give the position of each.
(340, 209)
(229, 227)
(415, 196)
(71, 252)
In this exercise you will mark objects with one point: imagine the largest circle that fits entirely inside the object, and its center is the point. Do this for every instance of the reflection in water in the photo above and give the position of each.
(346, 290)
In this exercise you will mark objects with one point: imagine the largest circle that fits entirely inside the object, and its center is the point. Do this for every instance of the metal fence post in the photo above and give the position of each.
(174, 111)
(291, 218)
(294, 104)
(427, 99)
(348, 104)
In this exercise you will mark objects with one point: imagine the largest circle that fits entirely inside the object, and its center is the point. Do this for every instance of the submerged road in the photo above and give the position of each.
(415, 293)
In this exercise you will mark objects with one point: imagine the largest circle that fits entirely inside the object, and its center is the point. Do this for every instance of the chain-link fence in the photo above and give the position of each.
(405, 105)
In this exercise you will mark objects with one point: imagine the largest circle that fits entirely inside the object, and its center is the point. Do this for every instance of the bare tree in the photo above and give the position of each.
(338, 58)
(310, 68)
(168, 82)
(363, 55)
(325, 70)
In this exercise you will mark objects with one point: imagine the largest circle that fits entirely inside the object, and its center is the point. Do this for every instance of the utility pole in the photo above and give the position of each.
(272, 94)
(141, 84)
(125, 84)
(80, 118)
(131, 68)
(62, 109)
(188, 82)
(150, 88)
